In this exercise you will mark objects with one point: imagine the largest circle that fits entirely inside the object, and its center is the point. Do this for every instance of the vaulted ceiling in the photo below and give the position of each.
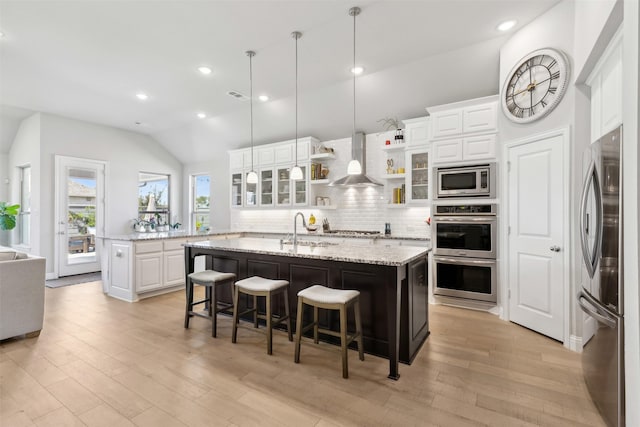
(87, 60)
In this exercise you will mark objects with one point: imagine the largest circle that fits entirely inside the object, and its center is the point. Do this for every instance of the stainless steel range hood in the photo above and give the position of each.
(358, 152)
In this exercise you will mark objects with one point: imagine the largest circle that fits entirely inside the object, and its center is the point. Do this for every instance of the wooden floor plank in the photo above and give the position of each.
(135, 364)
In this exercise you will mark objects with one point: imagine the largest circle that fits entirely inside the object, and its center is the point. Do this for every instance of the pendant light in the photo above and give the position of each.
(354, 167)
(296, 172)
(252, 176)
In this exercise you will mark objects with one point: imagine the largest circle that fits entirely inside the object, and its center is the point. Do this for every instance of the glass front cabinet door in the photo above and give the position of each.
(251, 198)
(236, 189)
(266, 187)
(417, 179)
(301, 188)
(284, 186)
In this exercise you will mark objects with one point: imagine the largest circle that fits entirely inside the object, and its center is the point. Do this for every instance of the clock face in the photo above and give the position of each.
(535, 85)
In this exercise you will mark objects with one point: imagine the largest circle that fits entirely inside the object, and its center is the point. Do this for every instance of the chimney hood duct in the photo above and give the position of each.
(358, 152)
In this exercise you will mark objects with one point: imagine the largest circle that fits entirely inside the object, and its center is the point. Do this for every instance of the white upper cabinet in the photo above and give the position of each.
(606, 90)
(416, 132)
(480, 118)
(266, 156)
(447, 151)
(236, 159)
(464, 131)
(284, 153)
(466, 117)
(447, 123)
(250, 158)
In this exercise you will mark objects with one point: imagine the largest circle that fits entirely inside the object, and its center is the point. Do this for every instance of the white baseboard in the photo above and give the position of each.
(574, 343)
(50, 276)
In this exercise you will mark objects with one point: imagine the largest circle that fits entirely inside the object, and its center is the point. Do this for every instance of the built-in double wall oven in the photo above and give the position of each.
(464, 252)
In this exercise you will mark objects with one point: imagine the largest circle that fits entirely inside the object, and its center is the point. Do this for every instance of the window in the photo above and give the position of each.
(200, 202)
(24, 218)
(153, 198)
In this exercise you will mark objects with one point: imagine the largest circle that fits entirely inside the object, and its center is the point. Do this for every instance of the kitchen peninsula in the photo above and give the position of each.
(392, 281)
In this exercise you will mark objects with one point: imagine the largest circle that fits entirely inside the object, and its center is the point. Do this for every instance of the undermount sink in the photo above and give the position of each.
(308, 243)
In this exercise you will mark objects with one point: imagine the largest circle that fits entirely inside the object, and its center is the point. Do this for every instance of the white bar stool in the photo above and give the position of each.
(319, 296)
(211, 279)
(257, 286)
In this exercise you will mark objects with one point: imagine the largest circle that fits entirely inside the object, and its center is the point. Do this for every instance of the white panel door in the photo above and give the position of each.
(536, 246)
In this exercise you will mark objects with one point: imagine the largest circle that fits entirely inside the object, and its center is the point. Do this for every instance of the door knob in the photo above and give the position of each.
(555, 248)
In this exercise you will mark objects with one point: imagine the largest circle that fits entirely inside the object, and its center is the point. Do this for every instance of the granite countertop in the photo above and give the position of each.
(166, 235)
(276, 235)
(382, 255)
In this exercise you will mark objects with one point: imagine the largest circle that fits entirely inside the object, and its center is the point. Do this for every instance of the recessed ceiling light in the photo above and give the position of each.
(506, 25)
(142, 96)
(263, 98)
(357, 70)
(202, 115)
(205, 70)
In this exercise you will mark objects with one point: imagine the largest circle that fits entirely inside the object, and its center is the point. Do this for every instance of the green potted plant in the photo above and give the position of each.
(8, 215)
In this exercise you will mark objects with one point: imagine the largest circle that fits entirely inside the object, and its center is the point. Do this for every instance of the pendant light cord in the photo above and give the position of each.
(297, 36)
(250, 54)
(355, 12)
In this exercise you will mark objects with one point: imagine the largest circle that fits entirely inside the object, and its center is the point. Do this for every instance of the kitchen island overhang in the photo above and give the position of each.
(392, 282)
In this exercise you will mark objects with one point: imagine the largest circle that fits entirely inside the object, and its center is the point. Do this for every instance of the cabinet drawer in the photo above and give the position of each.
(174, 244)
(147, 247)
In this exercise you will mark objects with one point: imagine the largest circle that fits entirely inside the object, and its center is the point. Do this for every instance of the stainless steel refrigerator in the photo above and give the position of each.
(601, 296)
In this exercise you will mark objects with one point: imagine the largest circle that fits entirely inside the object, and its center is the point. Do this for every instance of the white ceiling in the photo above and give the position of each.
(87, 60)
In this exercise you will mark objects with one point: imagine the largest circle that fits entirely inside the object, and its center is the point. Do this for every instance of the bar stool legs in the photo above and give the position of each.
(211, 280)
(332, 299)
(260, 287)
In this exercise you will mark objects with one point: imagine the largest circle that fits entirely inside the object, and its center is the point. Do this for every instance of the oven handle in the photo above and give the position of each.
(465, 218)
(465, 261)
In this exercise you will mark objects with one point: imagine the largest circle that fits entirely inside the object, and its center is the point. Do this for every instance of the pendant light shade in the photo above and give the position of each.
(296, 172)
(252, 176)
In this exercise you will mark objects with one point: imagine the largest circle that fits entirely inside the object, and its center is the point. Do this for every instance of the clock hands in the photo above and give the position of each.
(531, 86)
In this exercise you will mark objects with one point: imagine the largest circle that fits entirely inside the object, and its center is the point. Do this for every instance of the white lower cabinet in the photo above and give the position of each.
(148, 272)
(140, 269)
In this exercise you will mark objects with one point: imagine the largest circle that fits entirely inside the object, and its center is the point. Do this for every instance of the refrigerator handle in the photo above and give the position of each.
(590, 259)
(594, 311)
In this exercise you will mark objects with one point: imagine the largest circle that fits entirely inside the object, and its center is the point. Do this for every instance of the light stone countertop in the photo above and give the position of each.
(372, 254)
(276, 235)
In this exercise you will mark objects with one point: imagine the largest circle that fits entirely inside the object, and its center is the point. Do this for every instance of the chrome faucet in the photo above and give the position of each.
(295, 229)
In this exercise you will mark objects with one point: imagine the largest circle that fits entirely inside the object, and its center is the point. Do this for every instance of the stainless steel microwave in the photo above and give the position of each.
(466, 181)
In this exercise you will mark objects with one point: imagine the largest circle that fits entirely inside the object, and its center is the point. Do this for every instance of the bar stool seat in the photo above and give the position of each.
(211, 279)
(257, 286)
(319, 296)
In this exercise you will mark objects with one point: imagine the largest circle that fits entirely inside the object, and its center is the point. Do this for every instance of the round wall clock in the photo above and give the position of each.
(535, 85)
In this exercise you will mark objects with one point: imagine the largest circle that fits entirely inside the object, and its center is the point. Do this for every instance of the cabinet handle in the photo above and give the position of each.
(119, 253)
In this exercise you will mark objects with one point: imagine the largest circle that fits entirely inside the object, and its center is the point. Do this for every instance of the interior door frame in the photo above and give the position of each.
(56, 205)
(567, 244)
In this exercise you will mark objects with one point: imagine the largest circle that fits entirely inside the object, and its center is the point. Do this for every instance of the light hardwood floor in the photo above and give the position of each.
(104, 362)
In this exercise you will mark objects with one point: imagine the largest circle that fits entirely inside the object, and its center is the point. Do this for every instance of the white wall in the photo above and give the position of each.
(220, 191)
(4, 190)
(24, 151)
(631, 197)
(126, 154)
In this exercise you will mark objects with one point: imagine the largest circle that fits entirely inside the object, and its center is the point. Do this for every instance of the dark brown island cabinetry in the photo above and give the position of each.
(393, 295)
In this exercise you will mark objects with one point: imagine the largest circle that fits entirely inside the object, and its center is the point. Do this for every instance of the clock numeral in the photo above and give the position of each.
(529, 111)
(552, 89)
(518, 112)
(544, 104)
(552, 64)
(555, 75)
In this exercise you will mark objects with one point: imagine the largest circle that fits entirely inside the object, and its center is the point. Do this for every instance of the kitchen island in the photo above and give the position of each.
(392, 281)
